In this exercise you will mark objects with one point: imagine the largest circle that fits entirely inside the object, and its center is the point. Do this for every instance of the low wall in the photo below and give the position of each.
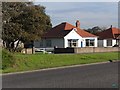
(86, 50)
(96, 49)
(28, 51)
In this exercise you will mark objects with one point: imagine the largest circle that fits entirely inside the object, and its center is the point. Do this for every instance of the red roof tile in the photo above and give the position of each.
(63, 29)
(109, 33)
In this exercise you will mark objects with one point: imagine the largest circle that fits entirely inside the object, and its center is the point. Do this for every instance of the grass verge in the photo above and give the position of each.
(40, 61)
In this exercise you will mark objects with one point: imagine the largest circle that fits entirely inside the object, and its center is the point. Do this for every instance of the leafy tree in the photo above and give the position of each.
(95, 29)
(23, 21)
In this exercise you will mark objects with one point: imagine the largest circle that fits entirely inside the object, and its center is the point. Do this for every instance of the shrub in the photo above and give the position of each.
(19, 49)
(7, 59)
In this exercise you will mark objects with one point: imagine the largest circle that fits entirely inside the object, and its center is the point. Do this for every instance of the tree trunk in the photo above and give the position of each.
(4, 44)
(17, 45)
(11, 46)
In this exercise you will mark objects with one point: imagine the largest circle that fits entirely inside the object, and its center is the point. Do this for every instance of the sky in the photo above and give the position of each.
(90, 14)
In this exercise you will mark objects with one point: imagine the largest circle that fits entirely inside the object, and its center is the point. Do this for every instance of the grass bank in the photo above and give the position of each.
(40, 61)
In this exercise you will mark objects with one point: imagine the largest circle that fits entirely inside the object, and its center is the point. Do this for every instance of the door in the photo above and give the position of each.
(81, 44)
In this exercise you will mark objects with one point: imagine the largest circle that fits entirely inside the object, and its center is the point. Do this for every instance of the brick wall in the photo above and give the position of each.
(96, 49)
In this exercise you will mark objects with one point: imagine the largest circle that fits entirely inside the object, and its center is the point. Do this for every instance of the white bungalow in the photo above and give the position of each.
(66, 35)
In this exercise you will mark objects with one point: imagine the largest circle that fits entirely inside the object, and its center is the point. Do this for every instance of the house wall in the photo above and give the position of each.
(58, 42)
(39, 44)
(72, 35)
(104, 43)
(54, 42)
(114, 42)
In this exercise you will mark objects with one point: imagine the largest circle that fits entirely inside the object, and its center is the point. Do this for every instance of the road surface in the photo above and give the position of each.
(90, 76)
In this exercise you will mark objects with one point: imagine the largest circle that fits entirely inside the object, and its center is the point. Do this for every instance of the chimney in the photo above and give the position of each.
(78, 24)
(111, 26)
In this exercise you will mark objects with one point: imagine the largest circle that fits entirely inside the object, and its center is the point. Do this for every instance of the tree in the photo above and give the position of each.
(95, 29)
(23, 21)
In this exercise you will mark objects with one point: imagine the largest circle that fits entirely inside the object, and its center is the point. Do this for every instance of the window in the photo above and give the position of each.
(109, 42)
(87, 42)
(72, 42)
(90, 42)
(118, 41)
(48, 43)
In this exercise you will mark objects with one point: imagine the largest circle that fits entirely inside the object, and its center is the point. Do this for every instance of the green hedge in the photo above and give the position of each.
(7, 59)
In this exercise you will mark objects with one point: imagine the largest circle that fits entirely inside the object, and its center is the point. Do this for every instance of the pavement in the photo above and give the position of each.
(104, 75)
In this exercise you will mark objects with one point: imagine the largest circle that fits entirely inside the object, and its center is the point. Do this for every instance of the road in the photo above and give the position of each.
(89, 76)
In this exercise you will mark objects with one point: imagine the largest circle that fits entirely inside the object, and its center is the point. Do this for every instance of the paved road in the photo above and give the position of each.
(90, 76)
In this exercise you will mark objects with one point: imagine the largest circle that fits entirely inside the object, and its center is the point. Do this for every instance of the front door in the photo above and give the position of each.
(81, 44)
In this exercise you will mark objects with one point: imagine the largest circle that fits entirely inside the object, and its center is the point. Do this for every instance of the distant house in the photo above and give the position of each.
(109, 37)
(66, 35)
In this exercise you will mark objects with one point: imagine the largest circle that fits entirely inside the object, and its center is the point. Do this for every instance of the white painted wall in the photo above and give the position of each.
(105, 42)
(114, 42)
(72, 35)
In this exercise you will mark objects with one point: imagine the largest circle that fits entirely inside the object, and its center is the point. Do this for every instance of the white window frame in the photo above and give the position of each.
(72, 42)
(89, 42)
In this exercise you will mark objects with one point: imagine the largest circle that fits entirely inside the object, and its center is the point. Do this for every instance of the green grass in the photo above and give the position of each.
(40, 61)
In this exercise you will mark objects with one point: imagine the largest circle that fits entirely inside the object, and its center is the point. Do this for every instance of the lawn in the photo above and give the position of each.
(40, 61)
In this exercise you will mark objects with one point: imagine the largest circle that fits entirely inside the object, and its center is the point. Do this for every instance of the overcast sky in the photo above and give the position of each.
(89, 14)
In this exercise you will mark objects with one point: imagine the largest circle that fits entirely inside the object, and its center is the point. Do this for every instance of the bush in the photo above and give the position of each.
(7, 59)
(19, 49)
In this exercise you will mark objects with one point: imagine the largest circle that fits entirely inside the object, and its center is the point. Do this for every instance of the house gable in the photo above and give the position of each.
(73, 35)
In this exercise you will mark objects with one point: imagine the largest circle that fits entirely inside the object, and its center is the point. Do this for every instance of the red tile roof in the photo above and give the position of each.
(111, 33)
(63, 29)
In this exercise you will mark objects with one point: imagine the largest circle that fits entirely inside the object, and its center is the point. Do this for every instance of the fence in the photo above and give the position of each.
(64, 50)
